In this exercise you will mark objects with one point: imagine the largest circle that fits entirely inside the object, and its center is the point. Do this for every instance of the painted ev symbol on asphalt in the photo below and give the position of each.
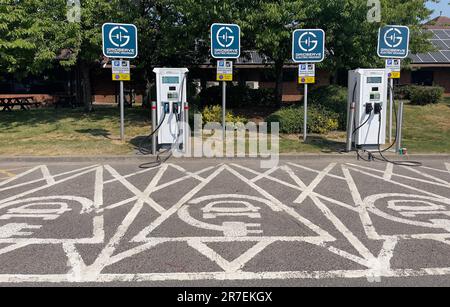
(119, 37)
(308, 41)
(225, 37)
(393, 37)
(226, 206)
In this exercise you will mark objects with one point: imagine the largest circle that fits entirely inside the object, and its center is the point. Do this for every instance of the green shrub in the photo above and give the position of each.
(213, 114)
(237, 96)
(403, 92)
(423, 95)
(332, 98)
(320, 120)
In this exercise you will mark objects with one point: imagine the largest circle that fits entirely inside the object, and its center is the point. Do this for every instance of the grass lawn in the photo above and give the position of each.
(427, 128)
(65, 132)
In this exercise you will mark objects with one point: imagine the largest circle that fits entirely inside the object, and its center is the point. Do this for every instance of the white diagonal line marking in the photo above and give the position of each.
(140, 195)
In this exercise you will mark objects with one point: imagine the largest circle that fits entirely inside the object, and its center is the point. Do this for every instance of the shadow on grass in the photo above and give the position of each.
(96, 132)
(325, 145)
(143, 143)
(45, 116)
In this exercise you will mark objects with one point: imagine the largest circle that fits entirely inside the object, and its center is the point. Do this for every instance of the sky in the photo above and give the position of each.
(442, 6)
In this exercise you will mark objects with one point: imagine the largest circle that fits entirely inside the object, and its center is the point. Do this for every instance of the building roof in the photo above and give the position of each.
(441, 22)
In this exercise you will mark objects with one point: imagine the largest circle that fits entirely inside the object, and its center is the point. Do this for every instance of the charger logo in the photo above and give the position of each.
(308, 41)
(225, 37)
(118, 36)
(393, 38)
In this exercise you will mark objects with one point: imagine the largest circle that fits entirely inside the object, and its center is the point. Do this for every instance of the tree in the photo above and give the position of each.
(32, 35)
(351, 39)
(269, 27)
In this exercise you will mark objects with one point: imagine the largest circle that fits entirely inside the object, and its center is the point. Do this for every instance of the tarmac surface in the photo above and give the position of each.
(312, 222)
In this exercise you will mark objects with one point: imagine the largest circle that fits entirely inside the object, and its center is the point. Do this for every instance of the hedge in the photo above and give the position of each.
(332, 98)
(320, 120)
(423, 95)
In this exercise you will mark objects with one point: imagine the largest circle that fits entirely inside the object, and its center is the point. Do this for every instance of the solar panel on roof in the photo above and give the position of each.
(447, 54)
(438, 57)
(439, 44)
(446, 43)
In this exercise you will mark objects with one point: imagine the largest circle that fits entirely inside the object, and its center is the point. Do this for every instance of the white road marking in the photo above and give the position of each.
(397, 175)
(42, 179)
(314, 184)
(47, 176)
(389, 171)
(226, 276)
(142, 236)
(12, 247)
(292, 186)
(411, 169)
(141, 195)
(377, 266)
(363, 213)
(98, 192)
(319, 231)
(351, 238)
(19, 176)
(315, 171)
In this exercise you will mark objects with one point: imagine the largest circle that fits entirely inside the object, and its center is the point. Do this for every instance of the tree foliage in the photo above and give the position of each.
(32, 33)
(176, 32)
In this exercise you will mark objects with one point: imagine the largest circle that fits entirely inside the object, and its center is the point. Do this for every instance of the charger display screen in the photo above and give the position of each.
(170, 80)
(374, 80)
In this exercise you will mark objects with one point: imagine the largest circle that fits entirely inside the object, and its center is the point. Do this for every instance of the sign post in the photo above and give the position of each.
(225, 44)
(308, 46)
(393, 67)
(120, 42)
(306, 75)
(393, 44)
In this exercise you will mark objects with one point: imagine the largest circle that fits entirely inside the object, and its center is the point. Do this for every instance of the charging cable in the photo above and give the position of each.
(160, 161)
(383, 158)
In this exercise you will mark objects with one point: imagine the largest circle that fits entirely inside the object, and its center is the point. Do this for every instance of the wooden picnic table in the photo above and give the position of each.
(24, 102)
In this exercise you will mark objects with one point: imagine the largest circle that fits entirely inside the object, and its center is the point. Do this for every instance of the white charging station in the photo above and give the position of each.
(171, 108)
(367, 99)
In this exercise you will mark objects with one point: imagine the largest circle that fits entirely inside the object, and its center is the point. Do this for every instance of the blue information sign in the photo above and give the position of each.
(393, 42)
(120, 40)
(308, 46)
(225, 41)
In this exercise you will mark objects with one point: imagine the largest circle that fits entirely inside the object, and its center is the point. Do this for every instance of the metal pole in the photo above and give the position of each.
(391, 107)
(122, 113)
(400, 127)
(154, 126)
(224, 108)
(187, 130)
(350, 126)
(305, 120)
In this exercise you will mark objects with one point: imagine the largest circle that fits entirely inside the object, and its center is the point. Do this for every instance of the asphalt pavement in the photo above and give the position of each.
(303, 222)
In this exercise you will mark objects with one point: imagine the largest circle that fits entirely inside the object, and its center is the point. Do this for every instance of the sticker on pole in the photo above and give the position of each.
(307, 74)
(224, 70)
(393, 67)
(120, 40)
(308, 46)
(225, 41)
(121, 71)
(393, 42)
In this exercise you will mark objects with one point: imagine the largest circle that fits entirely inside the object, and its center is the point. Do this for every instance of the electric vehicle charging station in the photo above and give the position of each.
(170, 114)
(367, 105)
